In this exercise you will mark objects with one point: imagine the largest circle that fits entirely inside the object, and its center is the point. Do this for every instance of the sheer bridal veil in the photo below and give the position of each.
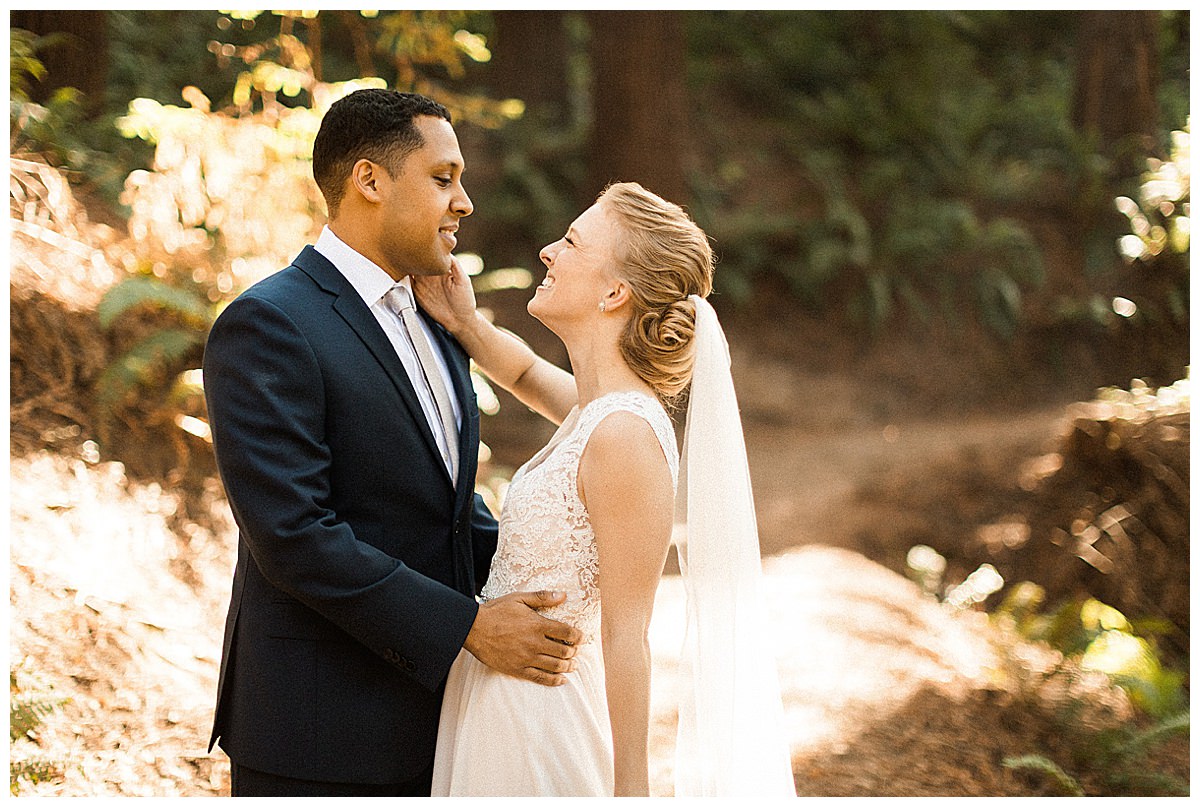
(731, 739)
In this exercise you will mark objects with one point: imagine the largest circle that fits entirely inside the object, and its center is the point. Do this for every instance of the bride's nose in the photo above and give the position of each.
(548, 252)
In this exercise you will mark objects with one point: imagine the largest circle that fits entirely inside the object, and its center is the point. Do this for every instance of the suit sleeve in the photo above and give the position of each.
(265, 400)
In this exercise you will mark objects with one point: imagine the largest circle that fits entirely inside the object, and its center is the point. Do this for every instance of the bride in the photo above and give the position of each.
(591, 515)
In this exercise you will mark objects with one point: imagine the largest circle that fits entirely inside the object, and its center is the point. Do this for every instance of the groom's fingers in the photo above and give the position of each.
(566, 637)
(509, 635)
(551, 671)
(554, 666)
(559, 632)
(541, 599)
(544, 678)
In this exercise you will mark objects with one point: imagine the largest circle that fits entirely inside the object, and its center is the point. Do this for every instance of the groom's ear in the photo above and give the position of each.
(365, 177)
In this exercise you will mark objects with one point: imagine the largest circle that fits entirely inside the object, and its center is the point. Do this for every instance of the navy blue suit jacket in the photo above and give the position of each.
(358, 560)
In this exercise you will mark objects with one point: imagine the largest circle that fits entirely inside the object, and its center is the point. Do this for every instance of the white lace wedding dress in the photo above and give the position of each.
(504, 736)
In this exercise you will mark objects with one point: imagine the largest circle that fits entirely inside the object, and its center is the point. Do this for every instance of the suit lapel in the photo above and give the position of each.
(351, 308)
(468, 452)
(460, 375)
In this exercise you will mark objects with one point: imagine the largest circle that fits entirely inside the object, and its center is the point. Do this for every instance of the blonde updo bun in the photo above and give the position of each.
(664, 257)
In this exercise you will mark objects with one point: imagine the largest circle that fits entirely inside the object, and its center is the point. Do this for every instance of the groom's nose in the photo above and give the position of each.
(461, 204)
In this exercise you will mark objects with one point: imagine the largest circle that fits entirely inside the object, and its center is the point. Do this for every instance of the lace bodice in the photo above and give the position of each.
(546, 539)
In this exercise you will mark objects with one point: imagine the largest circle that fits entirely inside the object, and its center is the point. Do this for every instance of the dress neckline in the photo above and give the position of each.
(571, 424)
(615, 393)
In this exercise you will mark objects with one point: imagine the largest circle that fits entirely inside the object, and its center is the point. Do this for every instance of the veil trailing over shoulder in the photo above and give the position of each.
(731, 739)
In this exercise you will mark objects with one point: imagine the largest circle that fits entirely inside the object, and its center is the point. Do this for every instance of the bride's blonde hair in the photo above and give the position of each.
(664, 257)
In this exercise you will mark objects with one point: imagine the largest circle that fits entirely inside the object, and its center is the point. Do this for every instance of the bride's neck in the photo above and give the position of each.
(599, 368)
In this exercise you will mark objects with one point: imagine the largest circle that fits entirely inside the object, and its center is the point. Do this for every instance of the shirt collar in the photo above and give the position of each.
(366, 276)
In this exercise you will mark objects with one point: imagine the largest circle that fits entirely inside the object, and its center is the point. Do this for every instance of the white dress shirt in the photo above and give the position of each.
(372, 283)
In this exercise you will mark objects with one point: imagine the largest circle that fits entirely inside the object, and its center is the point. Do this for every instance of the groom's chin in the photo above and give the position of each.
(439, 268)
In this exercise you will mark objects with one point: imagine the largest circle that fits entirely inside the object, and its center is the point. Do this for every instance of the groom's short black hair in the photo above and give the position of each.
(372, 124)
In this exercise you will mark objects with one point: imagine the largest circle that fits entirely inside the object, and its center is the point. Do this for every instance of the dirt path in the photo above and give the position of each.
(807, 483)
(886, 692)
(860, 648)
(857, 645)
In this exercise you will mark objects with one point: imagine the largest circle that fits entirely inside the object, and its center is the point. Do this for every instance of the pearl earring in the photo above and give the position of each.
(602, 306)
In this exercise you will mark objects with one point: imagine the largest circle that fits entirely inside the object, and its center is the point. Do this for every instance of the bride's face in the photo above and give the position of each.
(579, 270)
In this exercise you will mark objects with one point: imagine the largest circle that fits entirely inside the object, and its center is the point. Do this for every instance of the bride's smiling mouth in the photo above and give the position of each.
(547, 283)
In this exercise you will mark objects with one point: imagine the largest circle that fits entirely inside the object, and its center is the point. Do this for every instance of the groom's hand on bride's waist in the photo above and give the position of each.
(509, 635)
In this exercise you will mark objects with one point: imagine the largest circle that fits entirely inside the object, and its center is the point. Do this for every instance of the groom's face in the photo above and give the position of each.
(422, 204)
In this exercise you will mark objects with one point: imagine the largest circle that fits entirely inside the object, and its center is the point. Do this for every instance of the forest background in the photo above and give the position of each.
(925, 221)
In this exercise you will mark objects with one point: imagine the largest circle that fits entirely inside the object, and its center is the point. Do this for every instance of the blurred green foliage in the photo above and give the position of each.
(928, 143)
(25, 67)
(1157, 249)
(1101, 639)
(1114, 762)
(891, 168)
(1096, 638)
(59, 129)
(1116, 759)
(29, 703)
(1090, 638)
(182, 318)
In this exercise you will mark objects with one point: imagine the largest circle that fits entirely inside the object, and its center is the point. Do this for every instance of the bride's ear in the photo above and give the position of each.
(616, 296)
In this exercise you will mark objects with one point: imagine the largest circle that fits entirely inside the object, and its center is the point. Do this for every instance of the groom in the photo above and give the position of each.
(346, 434)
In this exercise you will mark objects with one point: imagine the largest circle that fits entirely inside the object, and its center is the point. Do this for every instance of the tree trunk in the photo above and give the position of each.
(639, 97)
(529, 61)
(1116, 83)
(79, 60)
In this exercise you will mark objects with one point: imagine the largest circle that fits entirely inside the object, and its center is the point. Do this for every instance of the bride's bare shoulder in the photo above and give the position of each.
(624, 452)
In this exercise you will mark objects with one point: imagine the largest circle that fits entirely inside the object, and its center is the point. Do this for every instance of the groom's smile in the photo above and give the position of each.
(448, 235)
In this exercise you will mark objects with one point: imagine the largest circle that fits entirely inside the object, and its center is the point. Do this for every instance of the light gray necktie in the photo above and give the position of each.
(399, 300)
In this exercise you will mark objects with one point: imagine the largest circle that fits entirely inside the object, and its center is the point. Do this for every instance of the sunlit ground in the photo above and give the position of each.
(854, 642)
(99, 614)
(104, 611)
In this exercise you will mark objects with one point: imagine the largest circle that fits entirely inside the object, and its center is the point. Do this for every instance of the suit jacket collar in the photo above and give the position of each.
(367, 277)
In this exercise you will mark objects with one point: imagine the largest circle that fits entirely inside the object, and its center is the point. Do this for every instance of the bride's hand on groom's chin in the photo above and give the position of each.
(510, 636)
(449, 298)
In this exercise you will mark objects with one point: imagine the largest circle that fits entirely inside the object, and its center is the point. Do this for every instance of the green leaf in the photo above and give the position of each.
(880, 296)
(33, 770)
(1179, 723)
(27, 710)
(144, 291)
(143, 362)
(1040, 764)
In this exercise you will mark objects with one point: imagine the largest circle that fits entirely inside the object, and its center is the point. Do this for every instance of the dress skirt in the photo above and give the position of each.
(504, 736)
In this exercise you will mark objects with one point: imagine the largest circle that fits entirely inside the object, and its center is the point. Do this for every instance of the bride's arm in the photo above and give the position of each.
(543, 387)
(626, 486)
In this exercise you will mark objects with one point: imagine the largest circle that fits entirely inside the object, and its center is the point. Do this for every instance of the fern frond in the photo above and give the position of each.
(1040, 764)
(1157, 733)
(1149, 783)
(137, 292)
(27, 710)
(140, 363)
(33, 770)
